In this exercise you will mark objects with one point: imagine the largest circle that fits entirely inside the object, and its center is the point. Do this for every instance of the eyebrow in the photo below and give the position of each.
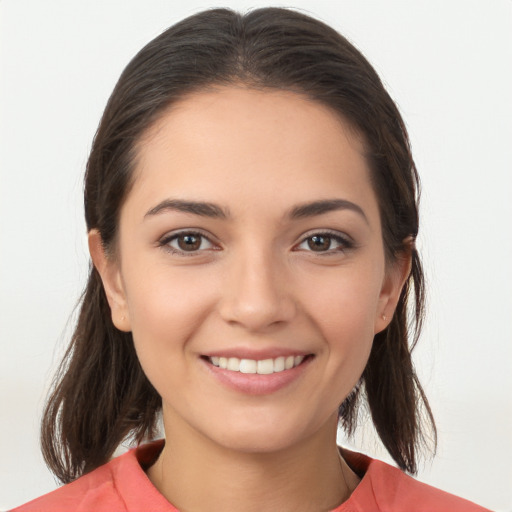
(195, 207)
(205, 209)
(325, 206)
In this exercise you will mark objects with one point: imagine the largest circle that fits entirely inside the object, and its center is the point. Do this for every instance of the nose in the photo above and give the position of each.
(257, 295)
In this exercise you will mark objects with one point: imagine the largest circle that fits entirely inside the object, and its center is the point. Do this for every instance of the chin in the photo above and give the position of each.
(258, 443)
(263, 437)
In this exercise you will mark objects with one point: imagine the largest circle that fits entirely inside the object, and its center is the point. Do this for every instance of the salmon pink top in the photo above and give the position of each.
(122, 485)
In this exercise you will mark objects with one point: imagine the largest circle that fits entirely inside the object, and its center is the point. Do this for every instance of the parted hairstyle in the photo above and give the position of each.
(101, 395)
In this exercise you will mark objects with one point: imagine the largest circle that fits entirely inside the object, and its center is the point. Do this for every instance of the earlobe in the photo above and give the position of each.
(110, 274)
(394, 281)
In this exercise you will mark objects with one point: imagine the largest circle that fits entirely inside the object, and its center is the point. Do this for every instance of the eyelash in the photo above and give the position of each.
(166, 241)
(344, 243)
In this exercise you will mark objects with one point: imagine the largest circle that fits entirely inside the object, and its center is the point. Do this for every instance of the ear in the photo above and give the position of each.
(397, 274)
(110, 274)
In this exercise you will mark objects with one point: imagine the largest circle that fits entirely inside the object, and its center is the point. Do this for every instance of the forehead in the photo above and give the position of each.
(254, 143)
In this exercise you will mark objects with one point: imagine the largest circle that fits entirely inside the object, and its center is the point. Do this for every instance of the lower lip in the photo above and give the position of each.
(254, 383)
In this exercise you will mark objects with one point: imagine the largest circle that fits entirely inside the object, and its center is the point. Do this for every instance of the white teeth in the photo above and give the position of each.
(279, 364)
(248, 366)
(234, 364)
(261, 367)
(265, 367)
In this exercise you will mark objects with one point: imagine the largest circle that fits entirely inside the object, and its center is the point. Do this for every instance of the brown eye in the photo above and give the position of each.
(319, 243)
(189, 242)
(326, 243)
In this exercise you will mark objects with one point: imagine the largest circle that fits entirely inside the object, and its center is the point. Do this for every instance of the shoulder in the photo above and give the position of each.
(386, 488)
(96, 489)
(121, 485)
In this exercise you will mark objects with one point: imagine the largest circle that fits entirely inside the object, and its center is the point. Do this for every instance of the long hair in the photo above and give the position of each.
(100, 394)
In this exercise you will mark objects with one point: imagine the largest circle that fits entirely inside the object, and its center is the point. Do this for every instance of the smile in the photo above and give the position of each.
(261, 367)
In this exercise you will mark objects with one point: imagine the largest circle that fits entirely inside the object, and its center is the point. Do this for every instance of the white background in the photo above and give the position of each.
(447, 63)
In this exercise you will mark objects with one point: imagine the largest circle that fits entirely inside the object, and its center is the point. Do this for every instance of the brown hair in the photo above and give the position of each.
(101, 394)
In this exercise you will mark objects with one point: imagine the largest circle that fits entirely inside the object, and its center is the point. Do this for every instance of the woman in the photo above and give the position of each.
(251, 203)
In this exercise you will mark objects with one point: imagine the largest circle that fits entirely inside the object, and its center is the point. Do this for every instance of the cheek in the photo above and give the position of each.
(344, 311)
(346, 302)
(166, 307)
(165, 312)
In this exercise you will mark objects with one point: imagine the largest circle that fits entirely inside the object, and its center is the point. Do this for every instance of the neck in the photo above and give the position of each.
(195, 474)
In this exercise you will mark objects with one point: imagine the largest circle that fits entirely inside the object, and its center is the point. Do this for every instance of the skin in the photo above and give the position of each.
(255, 283)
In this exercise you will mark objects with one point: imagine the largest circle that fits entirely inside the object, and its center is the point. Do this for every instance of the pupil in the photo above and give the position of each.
(319, 243)
(189, 242)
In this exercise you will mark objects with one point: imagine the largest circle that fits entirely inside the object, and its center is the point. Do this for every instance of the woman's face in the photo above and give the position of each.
(251, 238)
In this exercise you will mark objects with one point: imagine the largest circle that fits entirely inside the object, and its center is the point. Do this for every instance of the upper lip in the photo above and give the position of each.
(256, 354)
